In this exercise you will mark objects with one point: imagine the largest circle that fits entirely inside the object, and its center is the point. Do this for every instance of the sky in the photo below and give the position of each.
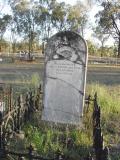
(72, 2)
(4, 8)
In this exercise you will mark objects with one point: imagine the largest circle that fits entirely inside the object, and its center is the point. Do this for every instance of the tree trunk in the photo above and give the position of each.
(102, 49)
(1, 44)
(29, 36)
(29, 45)
(14, 47)
(119, 47)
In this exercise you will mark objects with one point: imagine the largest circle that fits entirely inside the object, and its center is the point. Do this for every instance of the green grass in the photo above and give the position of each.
(45, 142)
(48, 140)
(109, 101)
(108, 97)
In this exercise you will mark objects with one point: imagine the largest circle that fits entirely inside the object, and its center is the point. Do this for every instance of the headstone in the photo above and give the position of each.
(65, 77)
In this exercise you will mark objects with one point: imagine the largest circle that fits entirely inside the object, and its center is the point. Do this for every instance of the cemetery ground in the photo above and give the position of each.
(48, 140)
(24, 73)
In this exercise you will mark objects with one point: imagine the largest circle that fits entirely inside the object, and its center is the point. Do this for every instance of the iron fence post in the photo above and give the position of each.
(18, 113)
(101, 153)
(30, 151)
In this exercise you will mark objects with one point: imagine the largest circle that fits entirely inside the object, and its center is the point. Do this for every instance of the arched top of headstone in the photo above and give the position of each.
(66, 45)
(65, 77)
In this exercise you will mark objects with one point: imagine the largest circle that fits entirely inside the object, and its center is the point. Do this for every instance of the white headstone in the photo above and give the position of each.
(65, 78)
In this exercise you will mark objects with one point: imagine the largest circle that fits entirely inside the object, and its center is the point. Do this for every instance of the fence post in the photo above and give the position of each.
(26, 114)
(0, 130)
(101, 153)
(30, 151)
(18, 113)
(88, 103)
(97, 137)
(106, 153)
(41, 98)
(31, 102)
(37, 99)
(11, 96)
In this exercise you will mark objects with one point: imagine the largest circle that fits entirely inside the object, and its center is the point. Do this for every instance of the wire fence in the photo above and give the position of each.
(104, 60)
(5, 58)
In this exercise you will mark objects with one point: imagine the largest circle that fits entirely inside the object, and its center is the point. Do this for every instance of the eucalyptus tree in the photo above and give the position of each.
(92, 48)
(77, 17)
(24, 20)
(59, 16)
(5, 22)
(109, 19)
(101, 35)
(68, 17)
(43, 18)
(53, 16)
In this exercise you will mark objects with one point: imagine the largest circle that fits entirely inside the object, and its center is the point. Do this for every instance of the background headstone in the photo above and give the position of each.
(65, 77)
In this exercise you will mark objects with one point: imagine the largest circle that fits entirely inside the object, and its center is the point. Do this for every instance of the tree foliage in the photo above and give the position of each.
(24, 20)
(77, 17)
(4, 23)
(102, 36)
(92, 49)
(109, 20)
(59, 16)
(47, 16)
(39, 19)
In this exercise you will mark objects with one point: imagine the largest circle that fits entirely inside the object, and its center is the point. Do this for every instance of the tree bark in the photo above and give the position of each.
(13, 47)
(119, 47)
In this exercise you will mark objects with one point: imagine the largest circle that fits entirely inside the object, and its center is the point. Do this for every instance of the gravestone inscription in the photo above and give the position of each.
(65, 76)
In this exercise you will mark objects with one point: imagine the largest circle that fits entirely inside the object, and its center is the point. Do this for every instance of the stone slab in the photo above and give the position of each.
(65, 78)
